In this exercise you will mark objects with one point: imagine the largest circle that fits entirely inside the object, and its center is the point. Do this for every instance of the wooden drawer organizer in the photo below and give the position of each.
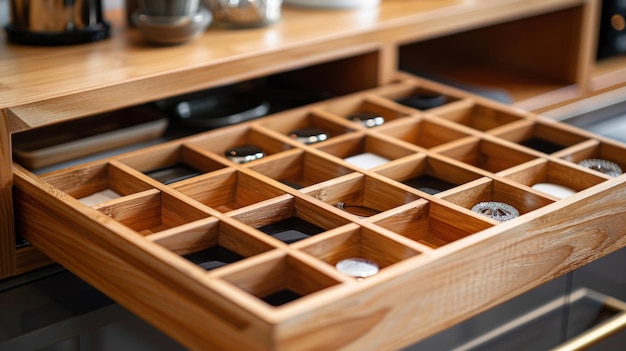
(440, 262)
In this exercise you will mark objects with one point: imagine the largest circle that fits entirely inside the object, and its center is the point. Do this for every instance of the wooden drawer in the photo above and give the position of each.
(440, 262)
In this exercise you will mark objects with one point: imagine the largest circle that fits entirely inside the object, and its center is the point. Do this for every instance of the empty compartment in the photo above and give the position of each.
(429, 174)
(602, 158)
(422, 132)
(212, 243)
(417, 97)
(278, 279)
(300, 123)
(479, 117)
(541, 136)
(300, 169)
(95, 183)
(171, 163)
(432, 224)
(486, 191)
(365, 111)
(359, 245)
(237, 139)
(228, 190)
(152, 211)
(365, 151)
(361, 195)
(288, 219)
(487, 155)
(557, 179)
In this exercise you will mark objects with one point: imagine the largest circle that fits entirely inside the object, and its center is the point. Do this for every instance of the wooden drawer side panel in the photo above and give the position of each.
(173, 301)
(7, 242)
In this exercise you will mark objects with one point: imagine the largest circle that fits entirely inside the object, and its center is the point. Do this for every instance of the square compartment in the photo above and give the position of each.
(286, 123)
(429, 174)
(487, 155)
(554, 173)
(416, 97)
(96, 183)
(479, 117)
(422, 132)
(300, 169)
(219, 143)
(288, 219)
(278, 279)
(171, 163)
(490, 190)
(433, 224)
(593, 149)
(212, 244)
(541, 136)
(152, 211)
(228, 190)
(360, 243)
(365, 151)
(368, 105)
(361, 195)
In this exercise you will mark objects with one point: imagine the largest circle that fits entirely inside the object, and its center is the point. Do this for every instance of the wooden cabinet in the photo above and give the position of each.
(441, 262)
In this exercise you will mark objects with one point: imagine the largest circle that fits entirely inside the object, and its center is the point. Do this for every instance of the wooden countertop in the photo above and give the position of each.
(43, 85)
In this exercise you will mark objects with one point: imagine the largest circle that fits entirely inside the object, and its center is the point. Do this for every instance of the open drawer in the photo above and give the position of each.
(221, 254)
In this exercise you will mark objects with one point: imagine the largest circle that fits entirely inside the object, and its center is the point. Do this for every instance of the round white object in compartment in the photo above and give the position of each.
(555, 190)
(357, 267)
(333, 4)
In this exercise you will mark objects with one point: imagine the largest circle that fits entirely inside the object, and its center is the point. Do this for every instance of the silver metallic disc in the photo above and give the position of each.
(368, 120)
(359, 211)
(499, 211)
(308, 135)
(244, 153)
(603, 166)
(357, 267)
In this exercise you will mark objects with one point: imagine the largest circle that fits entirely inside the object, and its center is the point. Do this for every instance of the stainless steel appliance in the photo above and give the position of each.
(56, 22)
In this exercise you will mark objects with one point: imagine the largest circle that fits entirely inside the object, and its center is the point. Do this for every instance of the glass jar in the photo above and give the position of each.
(244, 13)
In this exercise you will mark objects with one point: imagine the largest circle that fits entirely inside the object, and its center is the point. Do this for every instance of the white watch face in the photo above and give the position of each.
(366, 160)
(555, 190)
(357, 267)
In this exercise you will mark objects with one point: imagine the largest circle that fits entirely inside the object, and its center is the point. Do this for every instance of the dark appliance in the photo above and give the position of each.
(612, 34)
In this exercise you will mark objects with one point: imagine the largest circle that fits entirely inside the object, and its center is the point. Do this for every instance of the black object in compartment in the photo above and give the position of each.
(423, 101)
(213, 257)
(173, 173)
(281, 297)
(542, 145)
(291, 230)
(429, 184)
